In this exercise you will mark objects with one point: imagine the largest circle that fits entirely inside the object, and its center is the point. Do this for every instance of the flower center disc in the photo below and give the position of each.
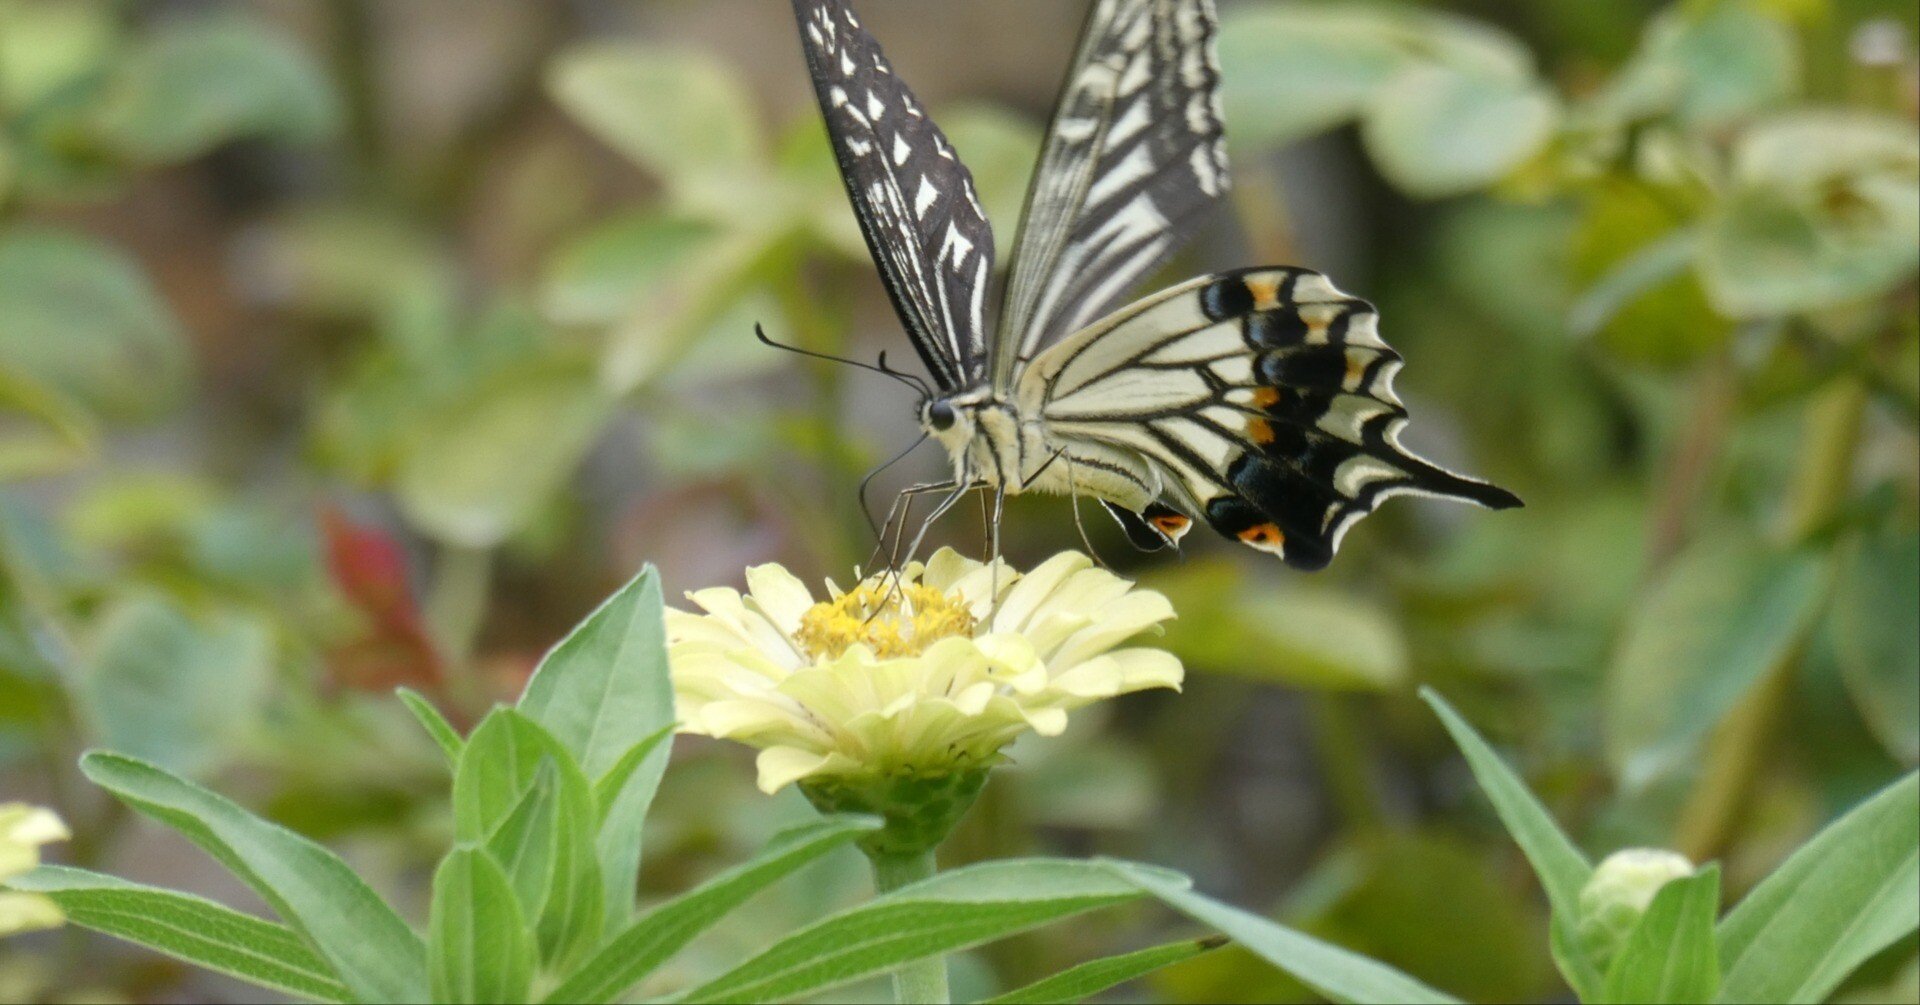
(890, 620)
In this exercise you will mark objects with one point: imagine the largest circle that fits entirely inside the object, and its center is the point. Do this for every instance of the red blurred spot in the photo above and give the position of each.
(369, 568)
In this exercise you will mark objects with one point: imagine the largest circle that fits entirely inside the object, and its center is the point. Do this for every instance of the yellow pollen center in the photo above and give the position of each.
(892, 621)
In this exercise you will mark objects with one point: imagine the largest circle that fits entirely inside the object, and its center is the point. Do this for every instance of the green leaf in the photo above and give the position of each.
(611, 786)
(686, 116)
(83, 320)
(188, 928)
(1560, 866)
(1385, 894)
(1710, 70)
(544, 842)
(1642, 298)
(479, 948)
(1288, 71)
(599, 277)
(944, 914)
(1332, 971)
(524, 841)
(46, 48)
(633, 954)
(192, 85)
(1670, 956)
(372, 950)
(1763, 255)
(660, 330)
(1842, 897)
(435, 724)
(1876, 616)
(1437, 131)
(1094, 976)
(1303, 636)
(1805, 152)
(56, 434)
(1724, 612)
(480, 468)
(602, 691)
(1639, 273)
(170, 688)
(1824, 210)
(605, 686)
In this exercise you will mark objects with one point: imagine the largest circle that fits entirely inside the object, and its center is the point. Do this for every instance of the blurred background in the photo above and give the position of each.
(346, 345)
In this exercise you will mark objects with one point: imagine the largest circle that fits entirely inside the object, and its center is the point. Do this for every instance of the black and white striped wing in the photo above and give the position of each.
(1264, 399)
(914, 199)
(1135, 155)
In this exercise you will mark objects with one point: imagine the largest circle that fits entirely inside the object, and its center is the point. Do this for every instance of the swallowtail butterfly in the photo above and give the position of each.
(1259, 400)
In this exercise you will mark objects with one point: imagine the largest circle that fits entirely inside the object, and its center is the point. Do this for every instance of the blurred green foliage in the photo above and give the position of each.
(325, 367)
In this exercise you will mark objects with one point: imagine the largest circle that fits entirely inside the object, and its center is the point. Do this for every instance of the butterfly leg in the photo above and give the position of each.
(866, 482)
(927, 523)
(1073, 493)
(993, 548)
(901, 499)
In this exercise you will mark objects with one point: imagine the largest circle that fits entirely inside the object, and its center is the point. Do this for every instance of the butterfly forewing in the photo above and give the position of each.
(1134, 156)
(914, 199)
(1264, 396)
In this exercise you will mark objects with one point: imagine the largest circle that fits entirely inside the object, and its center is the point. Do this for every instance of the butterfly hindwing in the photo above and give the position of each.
(1134, 156)
(1265, 396)
(1156, 527)
(915, 201)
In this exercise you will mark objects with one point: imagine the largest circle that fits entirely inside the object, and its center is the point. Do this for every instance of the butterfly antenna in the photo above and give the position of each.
(905, 378)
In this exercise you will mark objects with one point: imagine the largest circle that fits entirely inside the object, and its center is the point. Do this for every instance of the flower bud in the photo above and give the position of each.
(1617, 896)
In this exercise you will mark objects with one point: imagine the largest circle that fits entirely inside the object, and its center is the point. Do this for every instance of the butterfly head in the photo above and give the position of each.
(946, 420)
(955, 418)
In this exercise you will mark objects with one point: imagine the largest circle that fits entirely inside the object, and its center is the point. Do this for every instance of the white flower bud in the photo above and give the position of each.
(1619, 893)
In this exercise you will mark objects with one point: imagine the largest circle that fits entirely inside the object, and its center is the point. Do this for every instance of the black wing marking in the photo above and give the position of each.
(914, 199)
(1265, 396)
(1135, 154)
(1156, 527)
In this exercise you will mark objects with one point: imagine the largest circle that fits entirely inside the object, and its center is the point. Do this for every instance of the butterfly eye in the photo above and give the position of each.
(940, 416)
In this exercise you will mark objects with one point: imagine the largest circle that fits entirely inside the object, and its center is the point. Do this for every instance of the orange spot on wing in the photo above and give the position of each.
(1264, 536)
(1266, 397)
(1356, 368)
(1266, 293)
(1259, 430)
(1172, 524)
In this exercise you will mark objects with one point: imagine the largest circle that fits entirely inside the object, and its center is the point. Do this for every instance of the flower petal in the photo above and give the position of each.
(1117, 622)
(1142, 668)
(26, 912)
(1034, 588)
(779, 767)
(780, 595)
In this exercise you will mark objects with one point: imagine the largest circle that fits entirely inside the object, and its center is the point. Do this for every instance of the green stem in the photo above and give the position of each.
(1738, 746)
(922, 982)
(456, 606)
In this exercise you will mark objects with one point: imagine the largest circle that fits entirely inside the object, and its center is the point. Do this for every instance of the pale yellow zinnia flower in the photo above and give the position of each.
(922, 677)
(23, 829)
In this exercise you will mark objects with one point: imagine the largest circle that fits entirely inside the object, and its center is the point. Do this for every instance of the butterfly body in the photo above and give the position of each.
(1000, 444)
(1259, 401)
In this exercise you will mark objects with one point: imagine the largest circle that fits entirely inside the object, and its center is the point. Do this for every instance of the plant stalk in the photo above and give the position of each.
(1738, 746)
(456, 606)
(922, 982)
